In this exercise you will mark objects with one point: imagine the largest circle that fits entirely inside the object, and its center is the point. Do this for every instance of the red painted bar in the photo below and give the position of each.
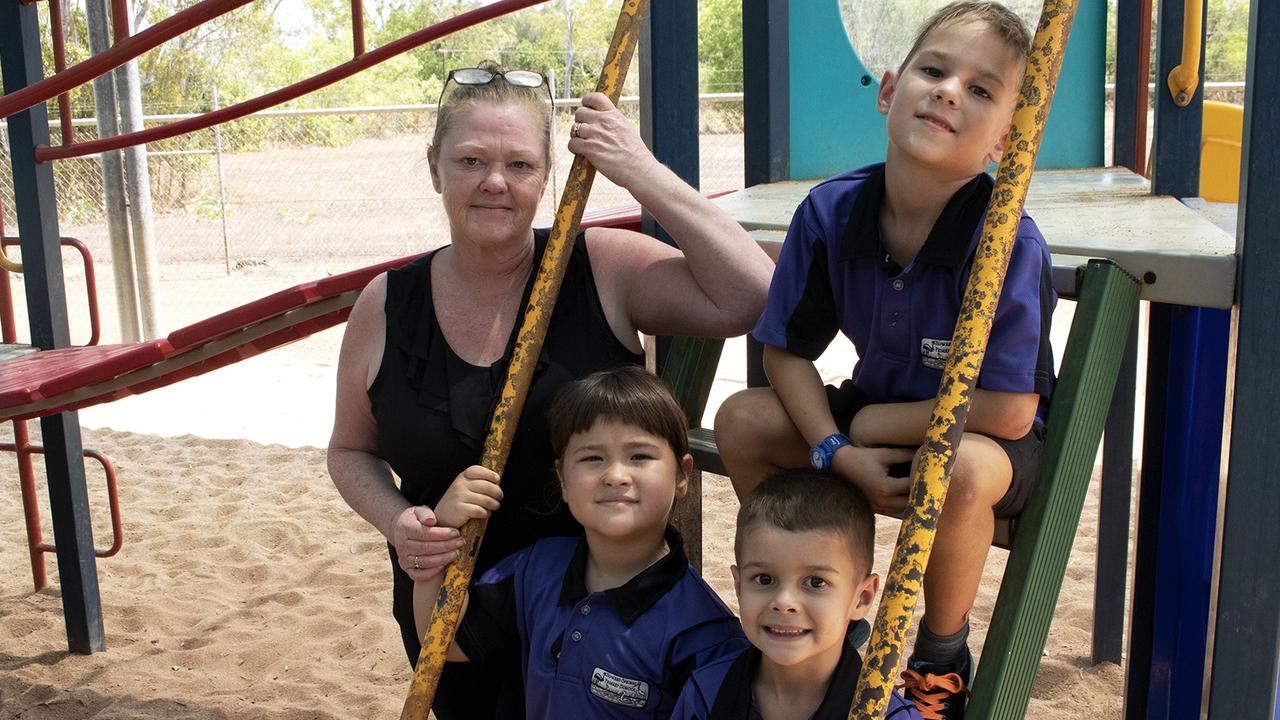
(118, 55)
(285, 94)
(120, 20)
(1143, 96)
(58, 32)
(357, 26)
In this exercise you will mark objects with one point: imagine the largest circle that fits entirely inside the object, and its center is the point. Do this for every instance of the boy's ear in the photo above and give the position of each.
(863, 598)
(686, 470)
(559, 476)
(884, 97)
(737, 582)
(997, 152)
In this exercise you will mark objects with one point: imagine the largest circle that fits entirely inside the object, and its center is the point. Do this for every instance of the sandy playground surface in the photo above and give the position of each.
(247, 589)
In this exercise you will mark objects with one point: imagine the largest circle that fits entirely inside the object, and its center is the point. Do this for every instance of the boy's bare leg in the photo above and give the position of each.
(756, 437)
(980, 478)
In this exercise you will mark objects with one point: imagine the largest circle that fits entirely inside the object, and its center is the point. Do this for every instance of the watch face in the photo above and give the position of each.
(817, 460)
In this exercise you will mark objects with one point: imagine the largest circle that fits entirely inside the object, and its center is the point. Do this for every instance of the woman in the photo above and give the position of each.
(426, 347)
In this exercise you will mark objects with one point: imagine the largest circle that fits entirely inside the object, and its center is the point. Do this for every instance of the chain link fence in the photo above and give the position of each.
(286, 196)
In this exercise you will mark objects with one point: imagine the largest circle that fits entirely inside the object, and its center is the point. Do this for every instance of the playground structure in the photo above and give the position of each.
(1186, 265)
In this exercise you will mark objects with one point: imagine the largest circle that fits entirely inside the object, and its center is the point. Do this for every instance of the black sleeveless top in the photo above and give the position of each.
(432, 408)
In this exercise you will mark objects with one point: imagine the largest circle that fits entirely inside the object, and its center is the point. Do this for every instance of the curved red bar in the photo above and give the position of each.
(119, 54)
(328, 77)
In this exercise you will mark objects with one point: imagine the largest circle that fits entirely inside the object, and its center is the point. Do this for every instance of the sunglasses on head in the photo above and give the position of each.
(480, 76)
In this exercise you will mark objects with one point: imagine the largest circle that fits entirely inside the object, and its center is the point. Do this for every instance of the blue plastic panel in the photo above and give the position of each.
(834, 123)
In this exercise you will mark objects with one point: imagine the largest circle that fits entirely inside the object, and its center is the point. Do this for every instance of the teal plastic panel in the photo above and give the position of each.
(834, 123)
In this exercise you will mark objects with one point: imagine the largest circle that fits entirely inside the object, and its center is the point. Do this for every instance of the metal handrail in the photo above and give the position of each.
(120, 53)
(1185, 76)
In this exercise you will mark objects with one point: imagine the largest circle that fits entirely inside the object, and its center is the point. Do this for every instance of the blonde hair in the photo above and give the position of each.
(1010, 28)
(462, 98)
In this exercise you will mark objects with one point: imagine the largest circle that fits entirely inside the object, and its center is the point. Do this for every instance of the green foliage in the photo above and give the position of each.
(720, 46)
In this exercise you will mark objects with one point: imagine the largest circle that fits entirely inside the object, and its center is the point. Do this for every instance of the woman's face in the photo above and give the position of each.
(490, 170)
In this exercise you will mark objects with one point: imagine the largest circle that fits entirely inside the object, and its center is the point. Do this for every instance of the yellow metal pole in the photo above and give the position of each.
(969, 343)
(533, 329)
(1185, 76)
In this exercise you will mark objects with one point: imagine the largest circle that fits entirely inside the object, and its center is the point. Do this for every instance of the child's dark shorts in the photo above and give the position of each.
(1024, 453)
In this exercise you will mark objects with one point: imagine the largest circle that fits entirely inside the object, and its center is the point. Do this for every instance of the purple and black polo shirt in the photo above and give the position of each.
(620, 653)
(834, 275)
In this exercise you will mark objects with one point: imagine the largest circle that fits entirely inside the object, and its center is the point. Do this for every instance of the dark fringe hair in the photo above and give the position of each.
(802, 500)
(1007, 25)
(628, 394)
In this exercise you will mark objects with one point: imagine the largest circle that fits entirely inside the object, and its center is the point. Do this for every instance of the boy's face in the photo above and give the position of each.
(950, 106)
(797, 592)
(620, 480)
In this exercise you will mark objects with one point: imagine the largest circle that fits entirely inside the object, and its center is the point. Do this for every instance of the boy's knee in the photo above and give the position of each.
(980, 476)
(744, 417)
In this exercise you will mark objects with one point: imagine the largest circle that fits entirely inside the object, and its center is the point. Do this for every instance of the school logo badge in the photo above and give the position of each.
(619, 690)
(933, 352)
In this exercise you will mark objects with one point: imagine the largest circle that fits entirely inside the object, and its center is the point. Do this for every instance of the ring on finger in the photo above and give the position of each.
(416, 566)
(575, 130)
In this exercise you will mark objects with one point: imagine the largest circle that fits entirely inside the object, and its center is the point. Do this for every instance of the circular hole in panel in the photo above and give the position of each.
(881, 31)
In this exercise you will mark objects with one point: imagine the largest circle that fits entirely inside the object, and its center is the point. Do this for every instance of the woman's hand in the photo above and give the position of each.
(605, 136)
(473, 495)
(422, 547)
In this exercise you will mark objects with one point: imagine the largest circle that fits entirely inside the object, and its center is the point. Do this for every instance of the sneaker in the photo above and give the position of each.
(938, 690)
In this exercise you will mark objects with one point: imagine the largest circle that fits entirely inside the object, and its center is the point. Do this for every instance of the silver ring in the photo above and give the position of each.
(574, 131)
(415, 562)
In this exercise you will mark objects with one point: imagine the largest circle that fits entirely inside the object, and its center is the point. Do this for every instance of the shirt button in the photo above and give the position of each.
(577, 636)
(898, 284)
(586, 610)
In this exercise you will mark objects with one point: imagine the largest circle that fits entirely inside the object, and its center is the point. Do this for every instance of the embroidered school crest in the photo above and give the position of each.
(933, 352)
(619, 690)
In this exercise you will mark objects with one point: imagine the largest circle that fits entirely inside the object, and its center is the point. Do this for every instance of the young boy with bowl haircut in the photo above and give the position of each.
(883, 254)
(612, 624)
(804, 582)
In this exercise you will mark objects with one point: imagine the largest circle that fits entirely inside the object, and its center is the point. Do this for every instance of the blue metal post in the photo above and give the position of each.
(1246, 649)
(669, 91)
(1175, 166)
(1196, 392)
(1177, 504)
(34, 201)
(766, 90)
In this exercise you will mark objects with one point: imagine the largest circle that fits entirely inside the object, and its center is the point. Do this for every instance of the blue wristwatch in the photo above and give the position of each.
(820, 455)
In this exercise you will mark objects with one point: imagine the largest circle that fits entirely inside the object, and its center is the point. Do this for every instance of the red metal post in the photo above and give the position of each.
(58, 32)
(120, 20)
(1143, 96)
(324, 79)
(357, 26)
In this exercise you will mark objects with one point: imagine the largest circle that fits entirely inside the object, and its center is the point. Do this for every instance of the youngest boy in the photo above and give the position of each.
(610, 625)
(803, 556)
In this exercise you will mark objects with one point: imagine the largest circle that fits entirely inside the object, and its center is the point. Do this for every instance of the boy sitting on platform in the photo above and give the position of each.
(610, 625)
(883, 253)
(804, 582)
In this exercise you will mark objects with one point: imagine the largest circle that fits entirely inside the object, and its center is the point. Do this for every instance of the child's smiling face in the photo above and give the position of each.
(950, 105)
(620, 480)
(797, 593)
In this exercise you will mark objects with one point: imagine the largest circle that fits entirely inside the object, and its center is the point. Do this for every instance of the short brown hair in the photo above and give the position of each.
(628, 394)
(497, 92)
(803, 500)
(1010, 28)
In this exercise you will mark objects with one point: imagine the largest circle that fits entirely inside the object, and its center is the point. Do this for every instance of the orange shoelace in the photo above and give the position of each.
(930, 692)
